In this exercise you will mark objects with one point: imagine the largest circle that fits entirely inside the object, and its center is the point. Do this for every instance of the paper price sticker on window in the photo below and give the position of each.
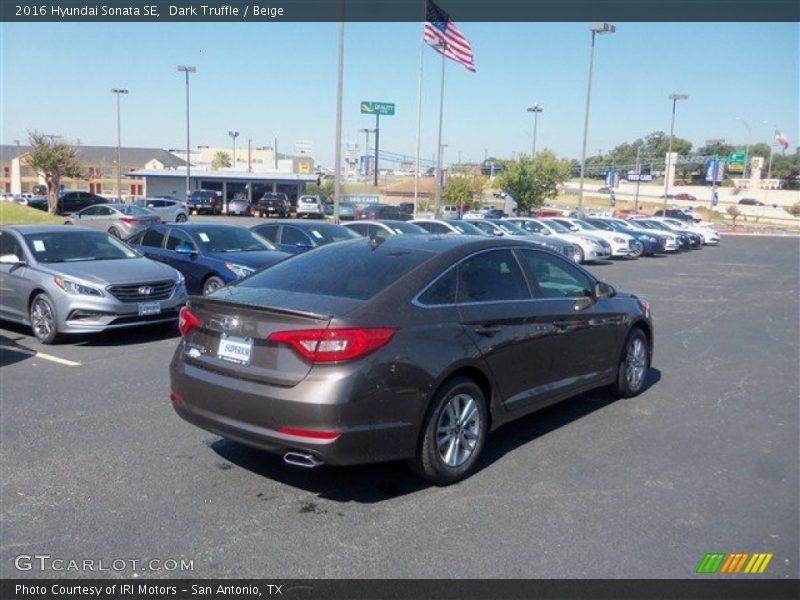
(38, 245)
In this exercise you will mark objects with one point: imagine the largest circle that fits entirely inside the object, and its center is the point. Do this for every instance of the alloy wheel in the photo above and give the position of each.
(42, 319)
(635, 363)
(457, 430)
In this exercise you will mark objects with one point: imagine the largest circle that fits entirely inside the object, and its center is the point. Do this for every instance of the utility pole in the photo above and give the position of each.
(674, 98)
(535, 109)
(249, 156)
(187, 69)
(118, 92)
(638, 179)
(234, 135)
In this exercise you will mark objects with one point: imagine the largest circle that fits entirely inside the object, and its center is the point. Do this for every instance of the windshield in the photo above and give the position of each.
(327, 234)
(570, 226)
(407, 228)
(231, 239)
(465, 228)
(586, 225)
(602, 225)
(76, 246)
(511, 228)
(556, 226)
(657, 225)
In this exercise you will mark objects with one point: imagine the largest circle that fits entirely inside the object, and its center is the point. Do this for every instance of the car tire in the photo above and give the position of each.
(42, 315)
(212, 284)
(444, 455)
(181, 218)
(580, 257)
(639, 250)
(115, 232)
(633, 365)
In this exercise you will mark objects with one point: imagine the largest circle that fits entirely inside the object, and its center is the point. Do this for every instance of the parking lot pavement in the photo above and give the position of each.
(95, 463)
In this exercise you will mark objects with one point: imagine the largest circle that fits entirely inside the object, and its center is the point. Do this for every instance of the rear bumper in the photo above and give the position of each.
(372, 425)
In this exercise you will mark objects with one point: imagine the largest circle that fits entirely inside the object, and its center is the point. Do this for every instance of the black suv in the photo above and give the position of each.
(70, 202)
(205, 201)
(674, 213)
(273, 205)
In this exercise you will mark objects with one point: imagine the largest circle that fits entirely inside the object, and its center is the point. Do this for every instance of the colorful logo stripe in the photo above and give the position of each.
(714, 562)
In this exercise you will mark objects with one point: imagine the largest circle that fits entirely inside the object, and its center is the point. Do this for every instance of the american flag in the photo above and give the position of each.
(440, 29)
(781, 139)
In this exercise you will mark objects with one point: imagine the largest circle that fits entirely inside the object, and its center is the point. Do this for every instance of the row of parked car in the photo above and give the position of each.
(342, 344)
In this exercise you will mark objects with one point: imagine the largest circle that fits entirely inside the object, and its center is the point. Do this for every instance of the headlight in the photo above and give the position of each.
(239, 270)
(76, 289)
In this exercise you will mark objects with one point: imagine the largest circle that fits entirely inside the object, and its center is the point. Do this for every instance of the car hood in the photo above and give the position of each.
(606, 235)
(110, 272)
(254, 260)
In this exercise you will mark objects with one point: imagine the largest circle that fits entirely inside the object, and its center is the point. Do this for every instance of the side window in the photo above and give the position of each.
(443, 290)
(178, 238)
(437, 228)
(553, 277)
(103, 211)
(270, 232)
(9, 245)
(153, 238)
(359, 228)
(92, 211)
(491, 277)
(292, 236)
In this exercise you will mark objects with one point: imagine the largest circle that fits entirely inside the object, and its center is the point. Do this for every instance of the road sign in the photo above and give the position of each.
(377, 108)
(736, 158)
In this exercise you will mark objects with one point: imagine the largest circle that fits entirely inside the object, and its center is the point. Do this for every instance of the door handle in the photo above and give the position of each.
(487, 330)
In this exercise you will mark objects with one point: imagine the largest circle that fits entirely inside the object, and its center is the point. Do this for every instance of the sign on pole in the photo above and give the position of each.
(736, 162)
(377, 108)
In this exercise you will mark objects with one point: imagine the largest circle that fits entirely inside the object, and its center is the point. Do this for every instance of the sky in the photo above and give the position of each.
(270, 80)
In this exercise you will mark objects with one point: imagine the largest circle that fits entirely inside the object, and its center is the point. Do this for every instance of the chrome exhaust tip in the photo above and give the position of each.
(302, 459)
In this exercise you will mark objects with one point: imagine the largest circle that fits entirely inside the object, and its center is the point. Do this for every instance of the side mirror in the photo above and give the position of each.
(304, 245)
(498, 233)
(185, 249)
(11, 259)
(604, 290)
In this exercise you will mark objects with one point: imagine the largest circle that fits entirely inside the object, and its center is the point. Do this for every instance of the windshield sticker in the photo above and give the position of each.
(203, 236)
(316, 234)
(38, 245)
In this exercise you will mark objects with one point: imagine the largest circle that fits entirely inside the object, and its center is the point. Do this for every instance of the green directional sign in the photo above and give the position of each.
(377, 108)
(736, 158)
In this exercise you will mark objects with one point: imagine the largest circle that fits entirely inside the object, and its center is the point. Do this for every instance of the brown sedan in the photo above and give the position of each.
(412, 347)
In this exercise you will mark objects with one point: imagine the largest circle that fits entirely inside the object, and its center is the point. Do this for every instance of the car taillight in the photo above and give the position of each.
(187, 321)
(129, 219)
(313, 434)
(333, 345)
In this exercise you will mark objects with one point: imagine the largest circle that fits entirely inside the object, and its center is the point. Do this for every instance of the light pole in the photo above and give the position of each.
(747, 146)
(187, 69)
(638, 177)
(535, 109)
(367, 131)
(674, 98)
(118, 92)
(596, 28)
(234, 135)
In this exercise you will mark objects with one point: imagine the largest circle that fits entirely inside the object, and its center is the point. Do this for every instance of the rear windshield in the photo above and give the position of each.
(466, 228)
(349, 270)
(327, 234)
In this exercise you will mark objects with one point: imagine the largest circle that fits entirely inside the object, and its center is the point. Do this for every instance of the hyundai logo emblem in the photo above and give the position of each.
(229, 323)
(145, 290)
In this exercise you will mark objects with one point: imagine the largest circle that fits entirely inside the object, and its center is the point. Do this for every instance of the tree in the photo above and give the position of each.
(793, 210)
(734, 213)
(466, 188)
(531, 182)
(221, 160)
(718, 149)
(54, 160)
(324, 190)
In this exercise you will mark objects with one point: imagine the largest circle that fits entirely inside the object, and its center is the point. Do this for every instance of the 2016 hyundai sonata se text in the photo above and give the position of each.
(409, 347)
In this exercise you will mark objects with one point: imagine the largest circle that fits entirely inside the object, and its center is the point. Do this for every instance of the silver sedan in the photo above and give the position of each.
(120, 220)
(75, 280)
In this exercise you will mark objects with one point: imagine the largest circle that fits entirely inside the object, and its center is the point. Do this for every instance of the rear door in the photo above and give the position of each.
(497, 313)
(151, 243)
(190, 265)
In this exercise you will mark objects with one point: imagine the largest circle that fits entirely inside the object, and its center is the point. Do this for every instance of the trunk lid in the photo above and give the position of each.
(232, 337)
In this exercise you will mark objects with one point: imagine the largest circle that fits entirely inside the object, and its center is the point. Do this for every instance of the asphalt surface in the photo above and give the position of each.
(95, 464)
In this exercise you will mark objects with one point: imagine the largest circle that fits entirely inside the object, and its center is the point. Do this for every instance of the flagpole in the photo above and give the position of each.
(439, 175)
(419, 108)
(338, 152)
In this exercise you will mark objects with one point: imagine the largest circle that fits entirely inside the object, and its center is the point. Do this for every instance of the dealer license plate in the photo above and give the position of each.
(149, 308)
(235, 349)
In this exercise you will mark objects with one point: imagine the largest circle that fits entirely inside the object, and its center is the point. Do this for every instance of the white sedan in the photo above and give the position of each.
(590, 249)
(621, 244)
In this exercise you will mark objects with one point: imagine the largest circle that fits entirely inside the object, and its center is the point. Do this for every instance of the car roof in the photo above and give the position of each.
(442, 243)
(34, 229)
(296, 223)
